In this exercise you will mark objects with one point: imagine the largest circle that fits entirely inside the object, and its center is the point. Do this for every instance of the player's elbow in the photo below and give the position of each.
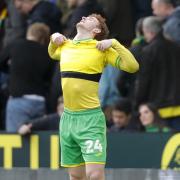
(135, 67)
(51, 53)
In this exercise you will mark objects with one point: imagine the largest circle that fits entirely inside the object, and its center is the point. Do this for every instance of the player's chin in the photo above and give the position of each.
(79, 24)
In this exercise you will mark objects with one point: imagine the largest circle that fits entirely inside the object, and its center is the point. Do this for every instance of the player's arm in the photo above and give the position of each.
(128, 62)
(55, 44)
(125, 61)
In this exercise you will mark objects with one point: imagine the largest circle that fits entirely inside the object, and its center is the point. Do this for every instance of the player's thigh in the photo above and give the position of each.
(71, 155)
(77, 173)
(93, 140)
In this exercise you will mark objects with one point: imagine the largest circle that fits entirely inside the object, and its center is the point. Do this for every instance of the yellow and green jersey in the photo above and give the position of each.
(82, 64)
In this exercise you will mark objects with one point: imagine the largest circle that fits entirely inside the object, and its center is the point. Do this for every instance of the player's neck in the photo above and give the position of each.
(83, 35)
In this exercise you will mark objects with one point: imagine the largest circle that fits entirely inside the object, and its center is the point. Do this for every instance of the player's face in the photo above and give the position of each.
(89, 23)
(146, 115)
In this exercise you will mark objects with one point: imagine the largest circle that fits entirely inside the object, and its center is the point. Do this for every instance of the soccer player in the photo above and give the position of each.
(83, 126)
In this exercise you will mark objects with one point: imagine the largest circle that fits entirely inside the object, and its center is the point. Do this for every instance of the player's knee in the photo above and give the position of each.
(95, 175)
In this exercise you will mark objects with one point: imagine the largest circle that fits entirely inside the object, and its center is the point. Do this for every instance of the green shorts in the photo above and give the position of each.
(83, 137)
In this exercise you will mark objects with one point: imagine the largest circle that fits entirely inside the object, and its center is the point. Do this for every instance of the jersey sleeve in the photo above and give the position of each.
(125, 60)
(112, 57)
(54, 51)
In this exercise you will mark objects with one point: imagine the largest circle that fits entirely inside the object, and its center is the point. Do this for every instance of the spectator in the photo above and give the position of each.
(138, 41)
(81, 8)
(108, 91)
(3, 98)
(40, 11)
(120, 19)
(122, 116)
(177, 2)
(3, 16)
(70, 7)
(157, 80)
(126, 81)
(141, 9)
(55, 90)
(150, 119)
(13, 29)
(14, 24)
(30, 75)
(167, 9)
(47, 122)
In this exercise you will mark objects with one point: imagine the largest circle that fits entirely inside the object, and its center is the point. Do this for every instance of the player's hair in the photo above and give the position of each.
(40, 31)
(103, 27)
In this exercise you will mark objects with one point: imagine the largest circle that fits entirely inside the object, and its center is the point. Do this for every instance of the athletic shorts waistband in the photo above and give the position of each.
(82, 112)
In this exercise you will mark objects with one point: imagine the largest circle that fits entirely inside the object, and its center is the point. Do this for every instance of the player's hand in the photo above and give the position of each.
(104, 44)
(25, 129)
(58, 38)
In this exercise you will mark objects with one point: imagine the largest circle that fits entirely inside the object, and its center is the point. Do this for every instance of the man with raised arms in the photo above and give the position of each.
(83, 126)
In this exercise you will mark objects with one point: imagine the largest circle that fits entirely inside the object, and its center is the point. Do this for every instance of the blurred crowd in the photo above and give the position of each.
(30, 87)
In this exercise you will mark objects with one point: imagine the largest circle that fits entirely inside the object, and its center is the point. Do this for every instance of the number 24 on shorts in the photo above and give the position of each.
(92, 146)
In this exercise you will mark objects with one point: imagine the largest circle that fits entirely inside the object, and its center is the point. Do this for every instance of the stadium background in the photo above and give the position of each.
(131, 155)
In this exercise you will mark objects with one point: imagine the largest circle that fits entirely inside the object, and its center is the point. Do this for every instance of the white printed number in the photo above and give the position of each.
(91, 146)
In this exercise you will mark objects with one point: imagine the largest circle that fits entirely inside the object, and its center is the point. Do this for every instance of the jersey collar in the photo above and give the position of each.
(82, 40)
